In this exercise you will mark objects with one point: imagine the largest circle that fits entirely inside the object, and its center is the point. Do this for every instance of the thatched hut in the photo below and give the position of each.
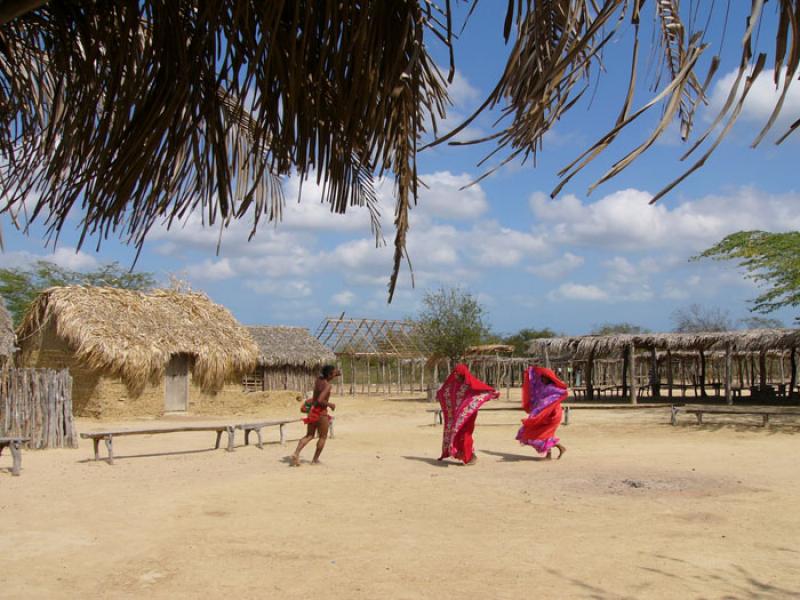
(7, 338)
(135, 353)
(289, 359)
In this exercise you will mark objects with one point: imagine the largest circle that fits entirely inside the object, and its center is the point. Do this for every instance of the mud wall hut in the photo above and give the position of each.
(290, 358)
(135, 353)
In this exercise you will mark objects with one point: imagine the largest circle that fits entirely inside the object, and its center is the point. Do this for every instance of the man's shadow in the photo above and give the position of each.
(431, 461)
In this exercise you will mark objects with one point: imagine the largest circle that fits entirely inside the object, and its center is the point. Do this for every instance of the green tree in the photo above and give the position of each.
(614, 328)
(770, 259)
(450, 321)
(521, 339)
(19, 287)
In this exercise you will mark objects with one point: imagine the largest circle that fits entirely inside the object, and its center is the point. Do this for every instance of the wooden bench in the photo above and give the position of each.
(259, 425)
(108, 436)
(762, 411)
(15, 444)
(248, 428)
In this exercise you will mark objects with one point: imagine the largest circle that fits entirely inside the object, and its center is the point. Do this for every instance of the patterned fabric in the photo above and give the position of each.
(315, 414)
(460, 397)
(542, 401)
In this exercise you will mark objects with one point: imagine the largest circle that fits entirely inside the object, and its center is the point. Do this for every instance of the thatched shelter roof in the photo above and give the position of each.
(489, 349)
(132, 335)
(293, 346)
(753, 340)
(7, 337)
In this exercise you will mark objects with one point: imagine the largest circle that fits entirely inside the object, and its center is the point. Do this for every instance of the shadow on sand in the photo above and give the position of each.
(432, 461)
(508, 457)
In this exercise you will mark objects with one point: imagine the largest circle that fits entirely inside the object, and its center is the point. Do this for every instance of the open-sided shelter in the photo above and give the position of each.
(153, 352)
(289, 358)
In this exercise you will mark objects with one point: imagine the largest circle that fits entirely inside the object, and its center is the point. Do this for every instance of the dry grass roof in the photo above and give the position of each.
(748, 340)
(7, 337)
(132, 335)
(292, 346)
(489, 349)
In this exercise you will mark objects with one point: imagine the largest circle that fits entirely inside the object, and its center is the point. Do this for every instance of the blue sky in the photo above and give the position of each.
(569, 264)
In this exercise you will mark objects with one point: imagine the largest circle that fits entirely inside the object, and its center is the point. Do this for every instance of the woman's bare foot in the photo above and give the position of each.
(472, 460)
(561, 450)
(294, 461)
(549, 455)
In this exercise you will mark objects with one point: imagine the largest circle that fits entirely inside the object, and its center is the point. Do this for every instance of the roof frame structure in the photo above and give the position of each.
(380, 338)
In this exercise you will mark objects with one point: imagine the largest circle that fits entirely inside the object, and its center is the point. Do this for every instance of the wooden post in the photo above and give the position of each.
(590, 377)
(728, 373)
(793, 371)
(546, 358)
(655, 377)
(353, 374)
(702, 374)
(625, 370)
(632, 371)
(762, 370)
(422, 376)
(436, 373)
(369, 379)
(399, 375)
(669, 373)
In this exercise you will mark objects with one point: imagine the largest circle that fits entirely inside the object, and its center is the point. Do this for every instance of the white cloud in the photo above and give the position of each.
(343, 298)
(625, 221)
(291, 289)
(443, 197)
(65, 257)
(558, 268)
(504, 247)
(578, 291)
(760, 102)
(211, 270)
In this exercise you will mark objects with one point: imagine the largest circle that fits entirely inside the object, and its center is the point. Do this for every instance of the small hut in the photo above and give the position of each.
(7, 338)
(135, 353)
(289, 359)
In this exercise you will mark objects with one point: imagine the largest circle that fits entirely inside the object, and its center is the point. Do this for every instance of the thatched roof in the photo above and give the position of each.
(293, 346)
(173, 109)
(754, 340)
(132, 335)
(7, 337)
(489, 349)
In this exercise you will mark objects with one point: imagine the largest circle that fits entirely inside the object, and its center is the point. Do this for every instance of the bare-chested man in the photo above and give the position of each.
(318, 419)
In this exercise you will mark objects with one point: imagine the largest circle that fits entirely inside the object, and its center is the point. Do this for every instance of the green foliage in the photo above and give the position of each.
(19, 287)
(615, 328)
(696, 318)
(771, 259)
(520, 339)
(451, 320)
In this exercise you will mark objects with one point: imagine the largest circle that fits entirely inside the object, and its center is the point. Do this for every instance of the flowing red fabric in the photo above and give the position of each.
(460, 397)
(542, 402)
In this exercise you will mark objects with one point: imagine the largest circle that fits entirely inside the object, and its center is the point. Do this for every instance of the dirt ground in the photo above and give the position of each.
(636, 509)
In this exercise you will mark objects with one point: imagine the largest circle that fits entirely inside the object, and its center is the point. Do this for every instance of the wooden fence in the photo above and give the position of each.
(37, 404)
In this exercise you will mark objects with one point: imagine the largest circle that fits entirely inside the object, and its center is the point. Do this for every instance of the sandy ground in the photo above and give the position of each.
(637, 509)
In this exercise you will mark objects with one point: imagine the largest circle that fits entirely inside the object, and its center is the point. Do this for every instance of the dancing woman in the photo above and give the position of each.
(542, 394)
(460, 397)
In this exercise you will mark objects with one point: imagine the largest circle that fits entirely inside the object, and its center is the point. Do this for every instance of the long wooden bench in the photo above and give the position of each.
(108, 436)
(765, 412)
(15, 444)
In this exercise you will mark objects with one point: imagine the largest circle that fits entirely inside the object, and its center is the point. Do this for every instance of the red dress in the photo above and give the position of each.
(542, 401)
(460, 401)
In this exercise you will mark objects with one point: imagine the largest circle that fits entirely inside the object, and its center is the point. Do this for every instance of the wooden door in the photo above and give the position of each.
(176, 389)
